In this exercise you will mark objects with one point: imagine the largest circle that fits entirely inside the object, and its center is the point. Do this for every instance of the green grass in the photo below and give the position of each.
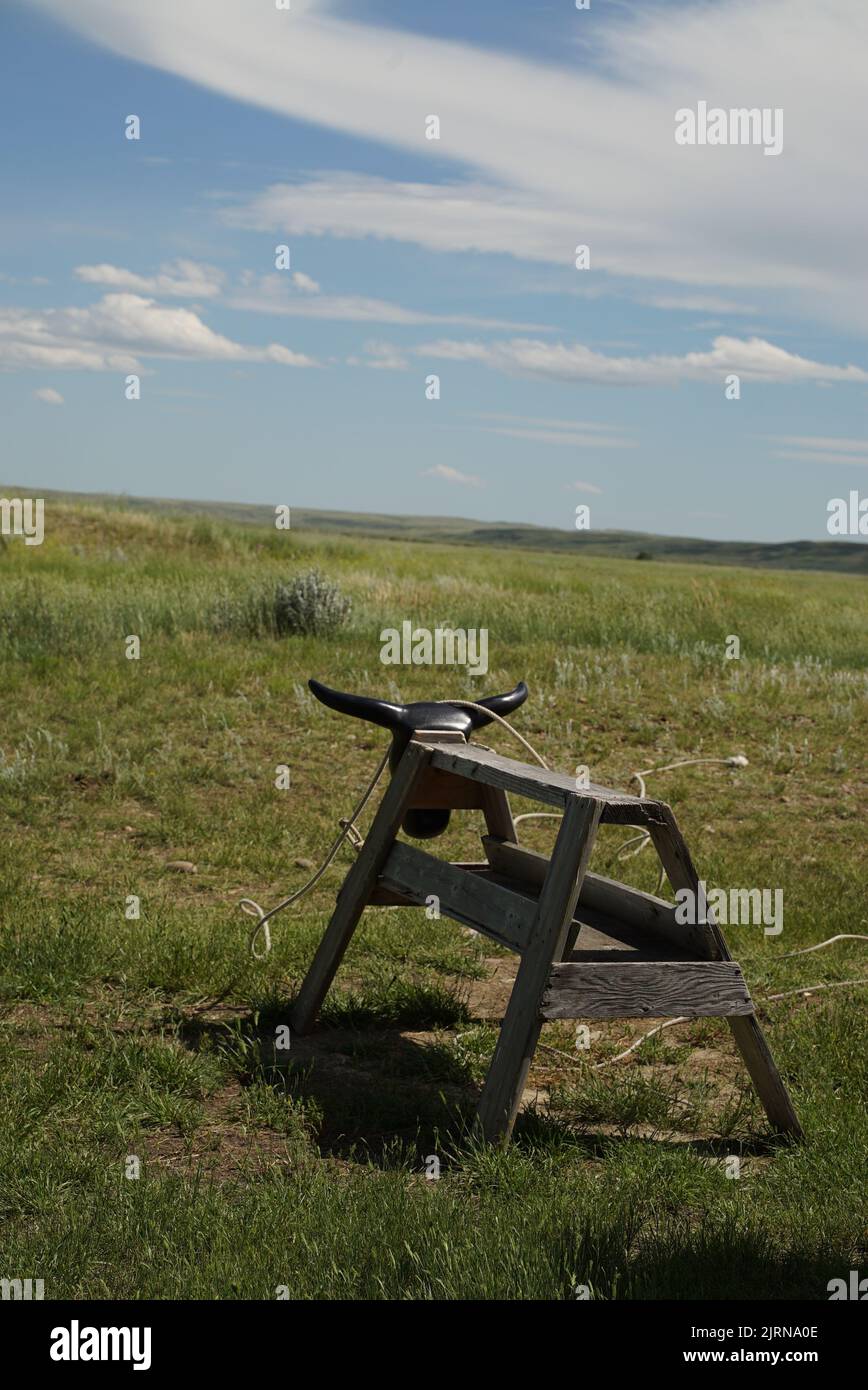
(155, 1037)
(837, 555)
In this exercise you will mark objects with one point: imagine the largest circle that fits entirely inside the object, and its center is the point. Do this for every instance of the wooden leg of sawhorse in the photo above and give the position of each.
(498, 816)
(756, 1054)
(357, 888)
(749, 1037)
(521, 1025)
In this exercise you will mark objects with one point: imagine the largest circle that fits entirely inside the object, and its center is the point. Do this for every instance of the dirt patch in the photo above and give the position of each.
(222, 1147)
(488, 998)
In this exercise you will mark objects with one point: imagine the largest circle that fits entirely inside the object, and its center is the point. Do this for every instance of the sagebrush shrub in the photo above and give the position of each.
(309, 604)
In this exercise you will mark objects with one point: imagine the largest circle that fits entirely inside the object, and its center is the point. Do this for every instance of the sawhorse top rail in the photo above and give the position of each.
(550, 788)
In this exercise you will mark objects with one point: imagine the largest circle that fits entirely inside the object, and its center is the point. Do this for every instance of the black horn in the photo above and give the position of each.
(361, 706)
(499, 704)
(430, 715)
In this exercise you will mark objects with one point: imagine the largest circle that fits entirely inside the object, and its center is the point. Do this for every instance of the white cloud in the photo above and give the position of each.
(452, 475)
(437, 216)
(555, 153)
(270, 295)
(807, 448)
(114, 333)
(48, 395)
(830, 442)
(699, 303)
(840, 459)
(753, 359)
(585, 487)
(575, 439)
(180, 279)
(305, 282)
(382, 357)
(545, 422)
(824, 458)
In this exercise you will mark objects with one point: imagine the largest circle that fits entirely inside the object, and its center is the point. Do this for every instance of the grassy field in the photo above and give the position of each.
(152, 1039)
(836, 556)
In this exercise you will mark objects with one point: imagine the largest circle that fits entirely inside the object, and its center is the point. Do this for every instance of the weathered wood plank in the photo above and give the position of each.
(497, 812)
(390, 897)
(470, 898)
(595, 932)
(357, 887)
(601, 895)
(763, 1071)
(520, 1029)
(748, 1035)
(706, 938)
(445, 790)
(550, 788)
(626, 988)
(526, 867)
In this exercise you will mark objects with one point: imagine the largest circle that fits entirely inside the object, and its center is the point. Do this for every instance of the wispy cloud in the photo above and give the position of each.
(752, 359)
(180, 279)
(114, 333)
(540, 175)
(545, 421)
(451, 475)
(699, 303)
(270, 294)
(584, 487)
(832, 443)
(381, 356)
(570, 437)
(48, 396)
(808, 448)
(305, 283)
(447, 216)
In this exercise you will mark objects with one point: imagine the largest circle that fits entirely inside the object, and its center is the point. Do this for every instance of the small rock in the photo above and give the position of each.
(181, 866)
(304, 864)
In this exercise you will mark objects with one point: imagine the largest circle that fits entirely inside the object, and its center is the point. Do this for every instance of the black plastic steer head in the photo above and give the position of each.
(425, 715)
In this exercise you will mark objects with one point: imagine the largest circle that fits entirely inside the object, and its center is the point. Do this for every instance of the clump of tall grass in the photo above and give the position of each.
(309, 604)
(40, 746)
(39, 618)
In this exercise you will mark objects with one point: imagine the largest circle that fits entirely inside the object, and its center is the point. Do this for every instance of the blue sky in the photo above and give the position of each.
(411, 256)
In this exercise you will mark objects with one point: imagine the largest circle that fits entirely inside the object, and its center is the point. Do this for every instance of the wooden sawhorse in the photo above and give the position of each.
(589, 947)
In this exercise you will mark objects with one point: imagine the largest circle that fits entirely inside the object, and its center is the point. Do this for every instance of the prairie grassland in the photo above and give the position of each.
(152, 1038)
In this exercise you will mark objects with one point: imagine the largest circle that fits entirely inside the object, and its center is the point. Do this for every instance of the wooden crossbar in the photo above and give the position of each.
(606, 895)
(646, 989)
(466, 896)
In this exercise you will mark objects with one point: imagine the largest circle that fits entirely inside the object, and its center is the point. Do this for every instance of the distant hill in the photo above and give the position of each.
(834, 556)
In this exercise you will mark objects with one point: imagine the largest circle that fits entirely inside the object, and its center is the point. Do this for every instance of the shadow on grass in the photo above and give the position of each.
(366, 1090)
(539, 1132)
(696, 1265)
(374, 1093)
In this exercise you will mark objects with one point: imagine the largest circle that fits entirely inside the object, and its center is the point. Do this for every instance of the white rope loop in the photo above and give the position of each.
(348, 831)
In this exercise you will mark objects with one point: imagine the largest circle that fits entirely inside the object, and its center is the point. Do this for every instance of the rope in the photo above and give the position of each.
(644, 837)
(347, 831)
(842, 936)
(470, 704)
